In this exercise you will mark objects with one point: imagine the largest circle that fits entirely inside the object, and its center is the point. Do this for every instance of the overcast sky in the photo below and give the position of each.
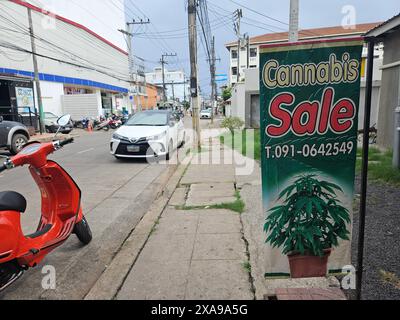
(168, 29)
(169, 15)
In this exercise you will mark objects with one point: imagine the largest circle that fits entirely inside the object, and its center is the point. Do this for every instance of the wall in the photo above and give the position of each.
(252, 85)
(390, 91)
(51, 97)
(376, 92)
(153, 97)
(253, 61)
(68, 43)
(67, 53)
(238, 101)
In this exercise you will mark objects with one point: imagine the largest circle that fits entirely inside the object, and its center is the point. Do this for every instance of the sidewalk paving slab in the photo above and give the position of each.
(179, 197)
(204, 194)
(218, 280)
(201, 173)
(188, 256)
(219, 247)
(218, 221)
(165, 280)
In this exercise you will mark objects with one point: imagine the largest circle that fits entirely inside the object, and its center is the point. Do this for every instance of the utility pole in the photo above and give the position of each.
(184, 88)
(238, 16)
(194, 87)
(173, 91)
(163, 63)
(294, 21)
(36, 71)
(129, 38)
(212, 79)
(213, 82)
(248, 50)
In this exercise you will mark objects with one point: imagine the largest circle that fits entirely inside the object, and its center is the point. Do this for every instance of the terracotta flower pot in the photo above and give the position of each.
(308, 266)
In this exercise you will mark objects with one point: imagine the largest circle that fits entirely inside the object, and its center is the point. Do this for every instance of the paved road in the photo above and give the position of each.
(115, 197)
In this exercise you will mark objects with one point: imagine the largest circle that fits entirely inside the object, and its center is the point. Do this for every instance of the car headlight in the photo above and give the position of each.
(116, 136)
(157, 137)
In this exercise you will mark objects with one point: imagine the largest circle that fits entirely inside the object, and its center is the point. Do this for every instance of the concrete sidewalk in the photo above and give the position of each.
(197, 249)
(200, 242)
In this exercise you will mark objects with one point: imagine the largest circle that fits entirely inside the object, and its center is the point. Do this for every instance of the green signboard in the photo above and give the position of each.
(310, 95)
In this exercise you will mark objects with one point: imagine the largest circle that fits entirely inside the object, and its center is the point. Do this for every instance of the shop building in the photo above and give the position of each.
(81, 72)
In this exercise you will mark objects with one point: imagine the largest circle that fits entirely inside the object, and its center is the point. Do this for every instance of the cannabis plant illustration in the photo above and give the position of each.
(310, 220)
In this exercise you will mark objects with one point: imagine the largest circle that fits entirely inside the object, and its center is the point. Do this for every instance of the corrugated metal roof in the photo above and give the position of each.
(306, 34)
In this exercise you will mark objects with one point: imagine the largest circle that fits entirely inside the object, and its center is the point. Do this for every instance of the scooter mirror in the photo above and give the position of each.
(64, 120)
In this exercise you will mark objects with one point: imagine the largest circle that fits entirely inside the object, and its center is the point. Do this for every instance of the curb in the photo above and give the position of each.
(112, 279)
(51, 138)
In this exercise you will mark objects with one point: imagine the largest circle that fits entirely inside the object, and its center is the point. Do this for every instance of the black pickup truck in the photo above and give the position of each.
(13, 135)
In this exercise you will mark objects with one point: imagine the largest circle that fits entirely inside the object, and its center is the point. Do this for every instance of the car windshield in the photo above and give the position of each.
(49, 115)
(149, 119)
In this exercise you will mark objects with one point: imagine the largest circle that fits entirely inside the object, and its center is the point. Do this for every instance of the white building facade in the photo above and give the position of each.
(176, 83)
(81, 72)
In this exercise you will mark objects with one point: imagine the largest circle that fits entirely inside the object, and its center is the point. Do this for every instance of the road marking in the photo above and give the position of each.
(84, 151)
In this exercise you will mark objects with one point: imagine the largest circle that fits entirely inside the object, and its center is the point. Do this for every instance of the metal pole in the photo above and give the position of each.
(194, 87)
(238, 62)
(294, 21)
(248, 51)
(239, 15)
(36, 71)
(163, 78)
(184, 88)
(173, 92)
(212, 80)
(396, 145)
(364, 180)
(163, 63)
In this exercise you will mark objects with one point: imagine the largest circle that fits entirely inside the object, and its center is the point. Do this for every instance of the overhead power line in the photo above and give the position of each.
(11, 46)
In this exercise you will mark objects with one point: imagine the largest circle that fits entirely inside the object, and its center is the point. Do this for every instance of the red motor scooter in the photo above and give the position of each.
(61, 211)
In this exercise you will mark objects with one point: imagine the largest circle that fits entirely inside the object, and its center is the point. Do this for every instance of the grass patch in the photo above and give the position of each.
(380, 166)
(227, 139)
(237, 206)
(390, 278)
(247, 266)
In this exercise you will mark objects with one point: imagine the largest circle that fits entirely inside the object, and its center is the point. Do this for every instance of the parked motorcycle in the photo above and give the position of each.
(104, 125)
(115, 123)
(61, 214)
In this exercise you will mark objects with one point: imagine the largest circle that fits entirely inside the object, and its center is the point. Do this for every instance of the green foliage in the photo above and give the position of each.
(186, 105)
(237, 206)
(246, 143)
(227, 94)
(310, 220)
(380, 166)
(232, 123)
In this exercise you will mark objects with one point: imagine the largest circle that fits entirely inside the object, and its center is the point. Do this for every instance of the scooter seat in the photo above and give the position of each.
(12, 201)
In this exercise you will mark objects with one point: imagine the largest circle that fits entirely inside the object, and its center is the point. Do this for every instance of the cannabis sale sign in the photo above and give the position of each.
(310, 95)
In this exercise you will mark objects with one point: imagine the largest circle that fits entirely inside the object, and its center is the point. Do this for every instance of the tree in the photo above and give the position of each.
(227, 93)
(186, 105)
(232, 124)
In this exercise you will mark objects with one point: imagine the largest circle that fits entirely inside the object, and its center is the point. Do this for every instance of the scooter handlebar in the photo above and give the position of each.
(65, 142)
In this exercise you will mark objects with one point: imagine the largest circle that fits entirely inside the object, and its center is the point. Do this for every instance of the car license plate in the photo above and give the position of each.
(133, 148)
